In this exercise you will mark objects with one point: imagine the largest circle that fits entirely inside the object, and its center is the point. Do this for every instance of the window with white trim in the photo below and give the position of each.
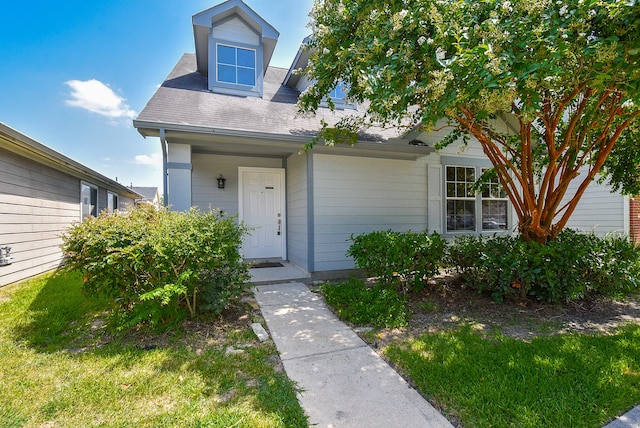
(236, 65)
(339, 92)
(338, 96)
(112, 202)
(471, 212)
(461, 199)
(88, 201)
(494, 205)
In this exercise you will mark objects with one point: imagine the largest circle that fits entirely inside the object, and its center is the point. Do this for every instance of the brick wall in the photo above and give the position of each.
(634, 219)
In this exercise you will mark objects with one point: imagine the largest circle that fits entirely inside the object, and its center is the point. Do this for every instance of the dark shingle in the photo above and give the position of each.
(184, 99)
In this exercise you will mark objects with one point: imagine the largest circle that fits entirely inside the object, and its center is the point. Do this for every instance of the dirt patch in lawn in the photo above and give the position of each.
(446, 303)
(198, 334)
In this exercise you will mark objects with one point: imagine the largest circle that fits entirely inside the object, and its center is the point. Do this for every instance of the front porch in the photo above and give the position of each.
(288, 272)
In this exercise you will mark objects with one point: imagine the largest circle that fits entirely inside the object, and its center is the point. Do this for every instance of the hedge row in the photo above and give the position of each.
(571, 267)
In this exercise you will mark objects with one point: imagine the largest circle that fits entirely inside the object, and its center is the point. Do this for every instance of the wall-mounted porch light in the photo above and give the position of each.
(221, 181)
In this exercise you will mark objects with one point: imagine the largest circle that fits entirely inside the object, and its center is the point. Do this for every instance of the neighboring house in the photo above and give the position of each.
(231, 139)
(42, 193)
(150, 195)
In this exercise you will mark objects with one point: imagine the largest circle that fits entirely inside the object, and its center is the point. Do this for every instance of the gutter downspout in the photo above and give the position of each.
(163, 144)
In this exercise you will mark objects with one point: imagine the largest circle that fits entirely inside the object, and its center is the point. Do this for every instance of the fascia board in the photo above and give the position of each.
(383, 147)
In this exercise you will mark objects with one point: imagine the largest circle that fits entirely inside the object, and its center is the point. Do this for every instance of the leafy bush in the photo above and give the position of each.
(571, 267)
(377, 306)
(159, 265)
(408, 259)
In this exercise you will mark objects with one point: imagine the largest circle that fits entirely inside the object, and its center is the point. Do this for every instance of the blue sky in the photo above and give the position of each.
(74, 74)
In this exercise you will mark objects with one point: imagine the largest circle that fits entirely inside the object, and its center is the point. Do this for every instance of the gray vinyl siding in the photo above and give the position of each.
(204, 185)
(297, 210)
(37, 204)
(357, 195)
(599, 211)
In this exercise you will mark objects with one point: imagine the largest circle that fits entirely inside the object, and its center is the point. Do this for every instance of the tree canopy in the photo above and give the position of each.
(550, 89)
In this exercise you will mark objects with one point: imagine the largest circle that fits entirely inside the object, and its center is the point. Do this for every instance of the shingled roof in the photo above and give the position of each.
(189, 113)
(183, 99)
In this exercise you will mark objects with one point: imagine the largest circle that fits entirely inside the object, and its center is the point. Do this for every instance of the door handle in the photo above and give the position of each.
(279, 226)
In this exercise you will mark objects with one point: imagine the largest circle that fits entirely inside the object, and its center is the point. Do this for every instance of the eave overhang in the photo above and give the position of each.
(250, 143)
(20, 144)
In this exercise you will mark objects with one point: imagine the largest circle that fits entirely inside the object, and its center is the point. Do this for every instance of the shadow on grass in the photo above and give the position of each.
(569, 380)
(58, 312)
(57, 318)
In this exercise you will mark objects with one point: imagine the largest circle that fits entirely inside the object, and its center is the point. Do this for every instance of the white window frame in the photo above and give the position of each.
(492, 198)
(478, 198)
(334, 92)
(113, 199)
(463, 198)
(94, 211)
(236, 66)
(341, 103)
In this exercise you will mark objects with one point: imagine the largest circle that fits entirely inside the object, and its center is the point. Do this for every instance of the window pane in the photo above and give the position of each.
(88, 199)
(226, 55)
(246, 76)
(246, 58)
(226, 73)
(451, 173)
(470, 193)
(494, 215)
(112, 202)
(461, 215)
(339, 92)
(451, 190)
(471, 175)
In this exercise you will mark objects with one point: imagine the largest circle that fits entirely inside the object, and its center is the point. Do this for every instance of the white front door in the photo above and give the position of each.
(262, 208)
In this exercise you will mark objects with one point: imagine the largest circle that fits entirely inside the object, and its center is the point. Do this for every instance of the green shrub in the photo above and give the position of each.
(377, 306)
(159, 265)
(571, 267)
(408, 259)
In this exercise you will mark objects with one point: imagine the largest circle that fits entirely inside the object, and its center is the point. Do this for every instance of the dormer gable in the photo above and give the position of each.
(297, 80)
(234, 46)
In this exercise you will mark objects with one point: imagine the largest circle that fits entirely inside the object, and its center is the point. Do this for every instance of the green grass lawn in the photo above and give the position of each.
(573, 380)
(484, 378)
(59, 368)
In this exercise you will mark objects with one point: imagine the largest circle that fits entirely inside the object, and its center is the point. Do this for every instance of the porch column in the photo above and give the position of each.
(179, 176)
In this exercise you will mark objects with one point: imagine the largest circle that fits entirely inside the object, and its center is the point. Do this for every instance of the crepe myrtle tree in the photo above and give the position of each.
(550, 89)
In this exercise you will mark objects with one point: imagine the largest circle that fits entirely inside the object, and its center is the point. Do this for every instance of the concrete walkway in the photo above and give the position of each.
(344, 382)
(631, 419)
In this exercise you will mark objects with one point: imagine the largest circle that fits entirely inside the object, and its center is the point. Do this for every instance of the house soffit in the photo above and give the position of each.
(283, 146)
(300, 62)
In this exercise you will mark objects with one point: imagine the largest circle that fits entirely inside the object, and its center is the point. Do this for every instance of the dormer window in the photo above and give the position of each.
(338, 96)
(236, 65)
(339, 93)
(233, 48)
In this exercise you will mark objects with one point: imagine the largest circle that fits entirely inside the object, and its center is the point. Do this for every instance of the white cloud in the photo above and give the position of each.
(155, 159)
(95, 96)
